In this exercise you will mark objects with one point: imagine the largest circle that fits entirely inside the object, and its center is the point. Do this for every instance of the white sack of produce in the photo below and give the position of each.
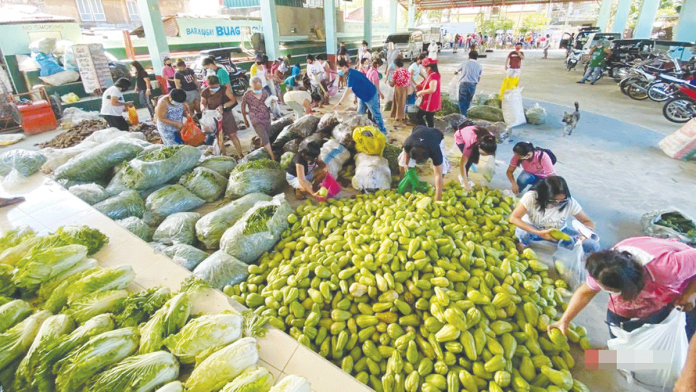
(223, 366)
(681, 144)
(262, 176)
(172, 199)
(89, 193)
(334, 155)
(327, 122)
(24, 162)
(138, 227)
(513, 108)
(204, 183)
(177, 228)
(123, 205)
(536, 115)
(221, 165)
(94, 164)
(108, 134)
(292, 383)
(258, 231)
(372, 173)
(185, 255)
(56, 157)
(138, 373)
(211, 227)
(204, 335)
(159, 166)
(221, 269)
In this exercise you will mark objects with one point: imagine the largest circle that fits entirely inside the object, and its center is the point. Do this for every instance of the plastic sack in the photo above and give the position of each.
(204, 183)
(258, 230)
(536, 115)
(513, 108)
(500, 130)
(8, 140)
(209, 120)
(13, 180)
(95, 164)
(669, 337)
(109, 134)
(138, 227)
(450, 123)
(483, 172)
(292, 146)
(347, 122)
(186, 256)
(570, 264)
(211, 227)
(178, 228)
(372, 173)
(669, 224)
(480, 99)
(369, 140)
(508, 84)
(681, 144)
(159, 166)
(220, 165)
(256, 155)
(172, 199)
(484, 112)
(123, 205)
(262, 176)
(24, 161)
(277, 126)
(191, 134)
(133, 116)
(334, 155)
(327, 123)
(221, 269)
(286, 159)
(56, 157)
(303, 127)
(89, 193)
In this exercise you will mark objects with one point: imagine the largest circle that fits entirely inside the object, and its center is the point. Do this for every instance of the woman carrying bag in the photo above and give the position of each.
(220, 98)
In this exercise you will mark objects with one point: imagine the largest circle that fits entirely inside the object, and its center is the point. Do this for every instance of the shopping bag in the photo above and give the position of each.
(208, 120)
(369, 140)
(670, 223)
(133, 116)
(668, 337)
(331, 185)
(191, 134)
(508, 84)
(453, 89)
(569, 263)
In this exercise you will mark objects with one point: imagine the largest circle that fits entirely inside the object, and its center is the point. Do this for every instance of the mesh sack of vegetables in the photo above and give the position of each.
(494, 101)
(179, 228)
(303, 127)
(391, 154)
(536, 115)
(669, 224)
(484, 112)
(89, 193)
(172, 199)
(25, 162)
(327, 123)
(286, 159)
(211, 227)
(256, 155)
(334, 155)
(263, 176)
(277, 127)
(204, 183)
(186, 256)
(123, 205)
(221, 269)
(94, 164)
(220, 165)
(138, 227)
(480, 99)
(258, 230)
(159, 166)
(372, 173)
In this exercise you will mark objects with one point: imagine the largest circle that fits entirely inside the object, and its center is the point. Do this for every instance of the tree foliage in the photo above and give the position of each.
(534, 22)
(490, 26)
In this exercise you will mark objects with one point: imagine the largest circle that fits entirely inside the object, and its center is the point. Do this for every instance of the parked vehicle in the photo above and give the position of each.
(223, 56)
(682, 107)
(666, 86)
(573, 59)
(409, 43)
(431, 33)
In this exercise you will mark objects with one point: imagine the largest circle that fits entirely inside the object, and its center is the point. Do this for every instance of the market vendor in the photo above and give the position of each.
(473, 141)
(549, 206)
(301, 102)
(361, 86)
(645, 278)
(170, 114)
(305, 170)
(220, 98)
(536, 163)
(423, 144)
(113, 104)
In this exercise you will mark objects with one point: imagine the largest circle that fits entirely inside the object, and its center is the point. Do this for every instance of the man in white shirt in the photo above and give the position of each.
(113, 104)
(301, 102)
(316, 74)
(471, 76)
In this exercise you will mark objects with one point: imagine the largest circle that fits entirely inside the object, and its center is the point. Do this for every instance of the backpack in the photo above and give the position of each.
(550, 154)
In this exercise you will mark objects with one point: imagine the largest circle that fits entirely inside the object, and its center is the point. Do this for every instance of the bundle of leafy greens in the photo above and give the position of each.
(48, 287)
(13, 238)
(174, 386)
(59, 296)
(254, 324)
(204, 335)
(139, 373)
(96, 303)
(15, 342)
(4, 300)
(46, 265)
(93, 239)
(13, 312)
(168, 320)
(114, 278)
(256, 223)
(223, 366)
(138, 307)
(7, 288)
(254, 378)
(97, 354)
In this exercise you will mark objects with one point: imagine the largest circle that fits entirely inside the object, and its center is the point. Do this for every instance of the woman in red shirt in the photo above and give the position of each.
(401, 81)
(430, 91)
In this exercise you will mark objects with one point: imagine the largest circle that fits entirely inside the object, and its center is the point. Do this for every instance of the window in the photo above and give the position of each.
(91, 10)
(132, 6)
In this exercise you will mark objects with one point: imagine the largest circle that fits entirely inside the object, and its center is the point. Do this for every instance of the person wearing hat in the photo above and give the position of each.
(598, 60)
(363, 89)
(513, 62)
(430, 93)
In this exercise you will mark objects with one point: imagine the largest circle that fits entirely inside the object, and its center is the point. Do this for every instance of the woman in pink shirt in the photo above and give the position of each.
(537, 164)
(373, 76)
(473, 141)
(645, 277)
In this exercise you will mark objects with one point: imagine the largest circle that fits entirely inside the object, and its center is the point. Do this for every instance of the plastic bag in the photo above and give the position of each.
(347, 122)
(669, 224)
(221, 269)
(292, 146)
(262, 176)
(286, 159)
(56, 157)
(277, 126)
(8, 140)
(191, 134)
(172, 199)
(450, 123)
(211, 227)
(160, 166)
(138, 227)
(681, 144)
(334, 155)
(509, 83)
(372, 173)
(95, 164)
(513, 108)
(221, 165)
(133, 116)
(109, 134)
(452, 89)
(369, 140)
(480, 99)
(186, 256)
(327, 123)
(24, 161)
(179, 228)
(484, 112)
(484, 170)
(332, 187)
(123, 205)
(209, 120)
(303, 127)
(500, 130)
(258, 230)
(89, 193)
(204, 183)
(668, 337)
(570, 264)
(536, 115)
(256, 155)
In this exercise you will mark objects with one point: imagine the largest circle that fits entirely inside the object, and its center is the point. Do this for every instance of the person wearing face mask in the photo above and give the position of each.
(364, 90)
(536, 165)
(430, 91)
(646, 278)
(170, 113)
(259, 69)
(363, 53)
(185, 79)
(168, 72)
(220, 98)
(473, 141)
(213, 69)
(113, 104)
(254, 106)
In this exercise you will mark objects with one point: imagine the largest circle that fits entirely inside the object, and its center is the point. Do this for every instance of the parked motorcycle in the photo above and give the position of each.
(682, 107)
(664, 87)
(573, 58)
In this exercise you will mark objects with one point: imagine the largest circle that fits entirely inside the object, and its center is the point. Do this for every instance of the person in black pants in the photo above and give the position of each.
(113, 104)
(430, 92)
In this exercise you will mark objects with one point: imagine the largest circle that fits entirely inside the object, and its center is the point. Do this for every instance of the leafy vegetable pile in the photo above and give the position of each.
(257, 221)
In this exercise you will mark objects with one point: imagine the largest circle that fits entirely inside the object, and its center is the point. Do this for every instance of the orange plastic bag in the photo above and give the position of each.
(191, 134)
(133, 115)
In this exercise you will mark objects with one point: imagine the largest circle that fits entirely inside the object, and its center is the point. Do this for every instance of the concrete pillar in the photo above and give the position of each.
(411, 14)
(269, 23)
(330, 26)
(646, 18)
(393, 12)
(686, 28)
(604, 13)
(621, 16)
(154, 32)
(367, 23)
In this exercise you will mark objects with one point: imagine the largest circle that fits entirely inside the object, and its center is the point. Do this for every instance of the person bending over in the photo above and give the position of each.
(536, 165)
(473, 141)
(306, 170)
(423, 144)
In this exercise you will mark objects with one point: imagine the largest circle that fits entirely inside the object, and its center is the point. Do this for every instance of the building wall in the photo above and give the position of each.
(303, 20)
(61, 8)
(115, 11)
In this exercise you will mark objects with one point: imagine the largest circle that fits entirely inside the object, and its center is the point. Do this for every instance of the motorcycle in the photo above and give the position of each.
(573, 59)
(682, 107)
(664, 87)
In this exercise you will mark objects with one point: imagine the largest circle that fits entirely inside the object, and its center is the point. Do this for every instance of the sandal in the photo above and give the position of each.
(9, 202)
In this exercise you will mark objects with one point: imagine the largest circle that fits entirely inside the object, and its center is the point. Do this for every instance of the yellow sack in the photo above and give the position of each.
(508, 84)
(369, 140)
